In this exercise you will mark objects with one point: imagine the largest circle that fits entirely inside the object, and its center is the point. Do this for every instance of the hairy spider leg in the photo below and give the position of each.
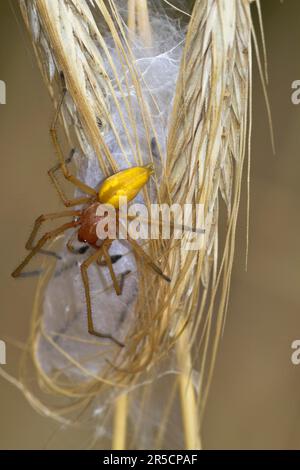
(37, 224)
(85, 278)
(111, 270)
(62, 165)
(45, 238)
(43, 218)
(139, 250)
(64, 198)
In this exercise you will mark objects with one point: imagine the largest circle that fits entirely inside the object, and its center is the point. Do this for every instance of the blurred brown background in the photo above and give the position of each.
(254, 400)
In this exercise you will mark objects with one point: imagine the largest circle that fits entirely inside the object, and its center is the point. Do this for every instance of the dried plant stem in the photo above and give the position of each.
(189, 409)
(132, 16)
(144, 23)
(120, 423)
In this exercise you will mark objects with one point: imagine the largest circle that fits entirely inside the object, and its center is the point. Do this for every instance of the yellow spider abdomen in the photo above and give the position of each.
(126, 183)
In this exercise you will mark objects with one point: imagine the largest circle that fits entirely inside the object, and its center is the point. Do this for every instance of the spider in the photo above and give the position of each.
(84, 221)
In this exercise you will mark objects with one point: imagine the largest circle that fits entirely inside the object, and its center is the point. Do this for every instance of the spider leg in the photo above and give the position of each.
(139, 250)
(62, 165)
(43, 218)
(45, 238)
(66, 201)
(114, 259)
(84, 273)
(111, 270)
